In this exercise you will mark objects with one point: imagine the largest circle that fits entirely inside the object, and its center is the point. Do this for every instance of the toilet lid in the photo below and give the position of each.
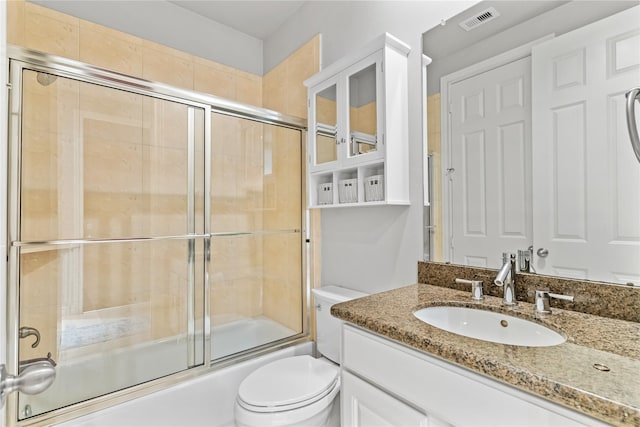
(287, 384)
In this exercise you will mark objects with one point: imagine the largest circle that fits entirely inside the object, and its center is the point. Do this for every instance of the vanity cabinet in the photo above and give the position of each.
(357, 146)
(386, 383)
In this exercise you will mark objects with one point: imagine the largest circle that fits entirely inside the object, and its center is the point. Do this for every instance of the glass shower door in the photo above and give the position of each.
(109, 240)
(255, 270)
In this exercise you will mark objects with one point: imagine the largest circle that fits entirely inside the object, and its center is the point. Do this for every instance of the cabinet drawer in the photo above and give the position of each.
(453, 394)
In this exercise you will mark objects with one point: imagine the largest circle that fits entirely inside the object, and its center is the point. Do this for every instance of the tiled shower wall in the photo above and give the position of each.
(278, 295)
(283, 91)
(434, 148)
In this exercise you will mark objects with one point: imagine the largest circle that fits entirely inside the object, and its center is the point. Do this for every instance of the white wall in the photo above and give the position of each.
(172, 26)
(371, 249)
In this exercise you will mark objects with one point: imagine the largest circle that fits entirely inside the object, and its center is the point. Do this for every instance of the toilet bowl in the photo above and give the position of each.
(299, 391)
(295, 391)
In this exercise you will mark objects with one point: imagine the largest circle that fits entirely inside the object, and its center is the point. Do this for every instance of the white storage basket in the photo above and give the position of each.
(374, 188)
(325, 193)
(348, 190)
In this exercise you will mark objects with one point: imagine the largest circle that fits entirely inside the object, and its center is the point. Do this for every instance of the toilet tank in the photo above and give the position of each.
(327, 326)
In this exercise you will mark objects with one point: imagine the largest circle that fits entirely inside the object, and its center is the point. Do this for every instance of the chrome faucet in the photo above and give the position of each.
(476, 288)
(506, 279)
(543, 297)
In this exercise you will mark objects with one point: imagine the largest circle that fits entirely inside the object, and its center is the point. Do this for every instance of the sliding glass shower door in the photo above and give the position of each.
(255, 271)
(110, 196)
(152, 230)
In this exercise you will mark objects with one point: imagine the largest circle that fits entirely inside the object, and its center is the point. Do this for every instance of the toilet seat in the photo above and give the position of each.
(288, 384)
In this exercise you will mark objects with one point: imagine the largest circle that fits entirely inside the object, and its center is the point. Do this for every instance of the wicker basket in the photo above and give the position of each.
(374, 188)
(348, 190)
(325, 193)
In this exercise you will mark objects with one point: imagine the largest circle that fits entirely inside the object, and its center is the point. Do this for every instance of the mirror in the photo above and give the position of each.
(326, 126)
(362, 111)
(516, 164)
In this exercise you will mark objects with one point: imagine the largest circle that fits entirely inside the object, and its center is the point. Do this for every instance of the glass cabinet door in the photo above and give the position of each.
(363, 111)
(326, 126)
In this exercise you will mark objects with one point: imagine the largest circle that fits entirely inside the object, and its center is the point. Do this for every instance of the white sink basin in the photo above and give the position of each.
(489, 326)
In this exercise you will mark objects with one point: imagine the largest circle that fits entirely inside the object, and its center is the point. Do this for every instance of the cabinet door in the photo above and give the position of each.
(324, 137)
(364, 109)
(364, 405)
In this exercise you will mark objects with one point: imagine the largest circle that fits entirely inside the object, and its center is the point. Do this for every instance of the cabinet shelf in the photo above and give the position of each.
(358, 129)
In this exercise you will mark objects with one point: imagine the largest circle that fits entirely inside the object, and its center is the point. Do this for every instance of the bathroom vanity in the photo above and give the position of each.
(402, 371)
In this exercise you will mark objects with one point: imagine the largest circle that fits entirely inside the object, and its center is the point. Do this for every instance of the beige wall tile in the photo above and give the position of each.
(110, 105)
(112, 189)
(51, 108)
(48, 137)
(364, 118)
(50, 31)
(284, 211)
(282, 300)
(214, 81)
(273, 92)
(39, 202)
(110, 49)
(168, 275)
(164, 190)
(109, 273)
(287, 78)
(220, 80)
(249, 90)
(434, 148)
(326, 111)
(236, 278)
(166, 50)
(283, 91)
(39, 289)
(15, 22)
(164, 65)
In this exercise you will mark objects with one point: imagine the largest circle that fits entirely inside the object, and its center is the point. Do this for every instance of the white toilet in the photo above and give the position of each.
(301, 390)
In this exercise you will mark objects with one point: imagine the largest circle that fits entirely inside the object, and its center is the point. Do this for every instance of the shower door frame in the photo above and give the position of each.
(21, 59)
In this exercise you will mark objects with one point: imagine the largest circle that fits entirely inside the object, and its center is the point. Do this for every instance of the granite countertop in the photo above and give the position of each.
(563, 374)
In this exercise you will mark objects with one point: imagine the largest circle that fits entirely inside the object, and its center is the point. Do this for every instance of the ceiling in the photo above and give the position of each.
(441, 41)
(258, 19)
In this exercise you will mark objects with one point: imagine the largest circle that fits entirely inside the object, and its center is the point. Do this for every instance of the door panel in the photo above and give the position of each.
(105, 261)
(491, 174)
(586, 192)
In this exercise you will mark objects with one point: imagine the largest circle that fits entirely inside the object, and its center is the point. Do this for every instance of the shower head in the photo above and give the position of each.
(46, 79)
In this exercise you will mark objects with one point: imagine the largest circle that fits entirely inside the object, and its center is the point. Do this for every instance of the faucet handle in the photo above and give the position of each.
(543, 297)
(476, 288)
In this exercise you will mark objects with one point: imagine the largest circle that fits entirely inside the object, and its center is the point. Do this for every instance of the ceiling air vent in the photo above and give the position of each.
(479, 19)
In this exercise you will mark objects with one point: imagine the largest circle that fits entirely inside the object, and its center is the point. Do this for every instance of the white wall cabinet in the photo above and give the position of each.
(386, 381)
(357, 149)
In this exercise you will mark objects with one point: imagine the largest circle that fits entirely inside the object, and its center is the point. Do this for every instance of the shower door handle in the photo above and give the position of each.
(34, 377)
(632, 96)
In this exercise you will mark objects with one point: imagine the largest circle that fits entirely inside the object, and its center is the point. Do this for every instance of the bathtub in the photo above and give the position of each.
(85, 373)
(203, 401)
(245, 333)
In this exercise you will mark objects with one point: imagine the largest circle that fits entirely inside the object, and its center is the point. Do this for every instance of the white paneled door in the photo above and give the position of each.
(490, 171)
(586, 180)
